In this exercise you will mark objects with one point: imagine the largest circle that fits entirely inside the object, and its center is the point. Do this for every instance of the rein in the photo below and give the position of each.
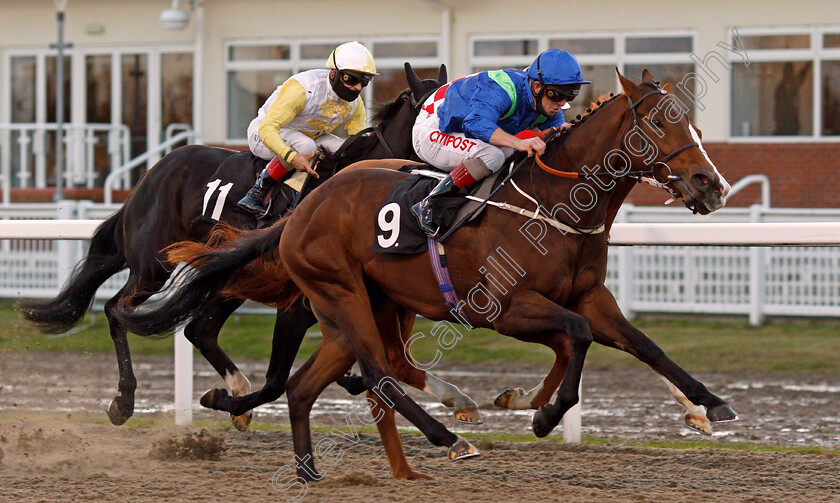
(637, 175)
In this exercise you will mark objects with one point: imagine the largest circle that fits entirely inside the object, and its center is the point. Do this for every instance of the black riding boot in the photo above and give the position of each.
(423, 210)
(253, 200)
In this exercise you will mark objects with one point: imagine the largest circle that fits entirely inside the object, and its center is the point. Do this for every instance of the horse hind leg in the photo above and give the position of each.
(384, 417)
(519, 399)
(122, 406)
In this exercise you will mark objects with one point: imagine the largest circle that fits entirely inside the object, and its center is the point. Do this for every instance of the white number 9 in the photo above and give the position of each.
(389, 224)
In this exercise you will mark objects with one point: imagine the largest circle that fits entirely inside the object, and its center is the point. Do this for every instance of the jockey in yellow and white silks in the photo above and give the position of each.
(301, 114)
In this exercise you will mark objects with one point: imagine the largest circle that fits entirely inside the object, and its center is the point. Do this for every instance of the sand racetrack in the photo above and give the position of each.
(55, 443)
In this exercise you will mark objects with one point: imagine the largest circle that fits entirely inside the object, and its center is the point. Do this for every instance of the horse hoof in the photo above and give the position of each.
(542, 423)
(700, 424)
(210, 400)
(242, 422)
(412, 475)
(468, 415)
(118, 414)
(352, 383)
(722, 414)
(507, 397)
(462, 449)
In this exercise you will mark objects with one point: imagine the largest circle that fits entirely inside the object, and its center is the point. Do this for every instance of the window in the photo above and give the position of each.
(254, 70)
(666, 55)
(790, 88)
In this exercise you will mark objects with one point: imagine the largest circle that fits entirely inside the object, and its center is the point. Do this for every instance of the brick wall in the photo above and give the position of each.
(802, 175)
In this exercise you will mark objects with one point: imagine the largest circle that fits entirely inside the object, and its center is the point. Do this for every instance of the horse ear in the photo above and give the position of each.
(628, 87)
(442, 77)
(648, 77)
(413, 80)
(667, 88)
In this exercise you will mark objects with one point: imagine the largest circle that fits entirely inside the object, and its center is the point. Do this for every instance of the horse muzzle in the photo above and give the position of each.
(703, 192)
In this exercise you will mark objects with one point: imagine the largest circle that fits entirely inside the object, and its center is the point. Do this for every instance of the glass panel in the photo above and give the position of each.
(317, 51)
(584, 45)
(247, 91)
(506, 48)
(776, 41)
(831, 40)
(657, 44)
(665, 74)
(772, 99)
(831, 98)
(177, 88)
(405, 49)
(603, 83)
(51, 82)
(390, 83)
(98, 86)
(258, 52)
(23, 88)
(134, 90)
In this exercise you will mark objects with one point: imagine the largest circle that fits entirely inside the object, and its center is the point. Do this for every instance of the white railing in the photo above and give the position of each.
(752, 281)
(25, 153)
(123, 171)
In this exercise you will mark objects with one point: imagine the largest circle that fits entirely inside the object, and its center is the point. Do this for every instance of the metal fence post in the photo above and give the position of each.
(757, 273)
(67, 250)
(183, 378)
(625, 269)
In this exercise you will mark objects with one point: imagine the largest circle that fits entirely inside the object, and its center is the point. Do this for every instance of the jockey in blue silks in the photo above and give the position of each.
(469, 126)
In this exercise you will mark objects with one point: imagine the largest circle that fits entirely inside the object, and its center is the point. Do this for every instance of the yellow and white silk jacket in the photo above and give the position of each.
(306, 103)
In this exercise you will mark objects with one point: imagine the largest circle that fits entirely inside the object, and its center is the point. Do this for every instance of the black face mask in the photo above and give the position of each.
(341, 90)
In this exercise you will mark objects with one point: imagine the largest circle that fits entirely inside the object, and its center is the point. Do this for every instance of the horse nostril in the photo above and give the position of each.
(701, 181)
(718, 190)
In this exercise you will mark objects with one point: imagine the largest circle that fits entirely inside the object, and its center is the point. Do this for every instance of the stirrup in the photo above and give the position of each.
(426, 228)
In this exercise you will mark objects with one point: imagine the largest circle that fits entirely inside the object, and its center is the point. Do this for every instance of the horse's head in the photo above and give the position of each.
(421, 89)
(662, 136)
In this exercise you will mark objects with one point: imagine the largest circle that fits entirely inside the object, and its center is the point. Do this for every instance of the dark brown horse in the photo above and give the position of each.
(554, 294)
(175, 201)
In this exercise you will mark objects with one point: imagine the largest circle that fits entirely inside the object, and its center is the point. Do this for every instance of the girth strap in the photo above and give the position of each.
(437, 255)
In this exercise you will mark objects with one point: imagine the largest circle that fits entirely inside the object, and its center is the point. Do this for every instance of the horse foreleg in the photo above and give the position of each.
(695, 415)
(530, 317)
(519, 399)
(384, 417)
(203, 332)
(610, 328)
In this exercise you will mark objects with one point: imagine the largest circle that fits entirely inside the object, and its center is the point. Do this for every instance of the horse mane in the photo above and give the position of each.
(387, 111)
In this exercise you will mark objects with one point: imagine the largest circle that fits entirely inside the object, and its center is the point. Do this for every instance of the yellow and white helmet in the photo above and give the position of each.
(354, 57)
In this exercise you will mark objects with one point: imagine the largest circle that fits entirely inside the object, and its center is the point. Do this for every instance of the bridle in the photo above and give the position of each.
(656, 169)
(652, 176)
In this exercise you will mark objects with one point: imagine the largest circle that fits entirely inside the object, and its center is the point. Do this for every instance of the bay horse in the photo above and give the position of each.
(173, 202)
(557, 297)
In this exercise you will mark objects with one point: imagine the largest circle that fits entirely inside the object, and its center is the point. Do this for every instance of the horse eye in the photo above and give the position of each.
(657, 123)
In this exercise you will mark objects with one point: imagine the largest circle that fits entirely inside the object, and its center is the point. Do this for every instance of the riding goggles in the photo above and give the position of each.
(350, 79)
(561, 93)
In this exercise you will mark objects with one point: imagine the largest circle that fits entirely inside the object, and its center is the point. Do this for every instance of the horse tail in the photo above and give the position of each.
(105, 257)
(234, 263)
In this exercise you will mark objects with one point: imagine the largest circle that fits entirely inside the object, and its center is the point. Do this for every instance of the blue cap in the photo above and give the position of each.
(556, 67)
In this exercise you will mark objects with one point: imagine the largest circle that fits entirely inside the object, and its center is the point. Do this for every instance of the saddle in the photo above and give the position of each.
(396, 228)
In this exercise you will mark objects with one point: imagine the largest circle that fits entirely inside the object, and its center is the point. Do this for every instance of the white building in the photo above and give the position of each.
(125, 67)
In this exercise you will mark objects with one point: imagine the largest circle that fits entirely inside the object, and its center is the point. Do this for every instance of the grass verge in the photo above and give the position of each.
(696, 343)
